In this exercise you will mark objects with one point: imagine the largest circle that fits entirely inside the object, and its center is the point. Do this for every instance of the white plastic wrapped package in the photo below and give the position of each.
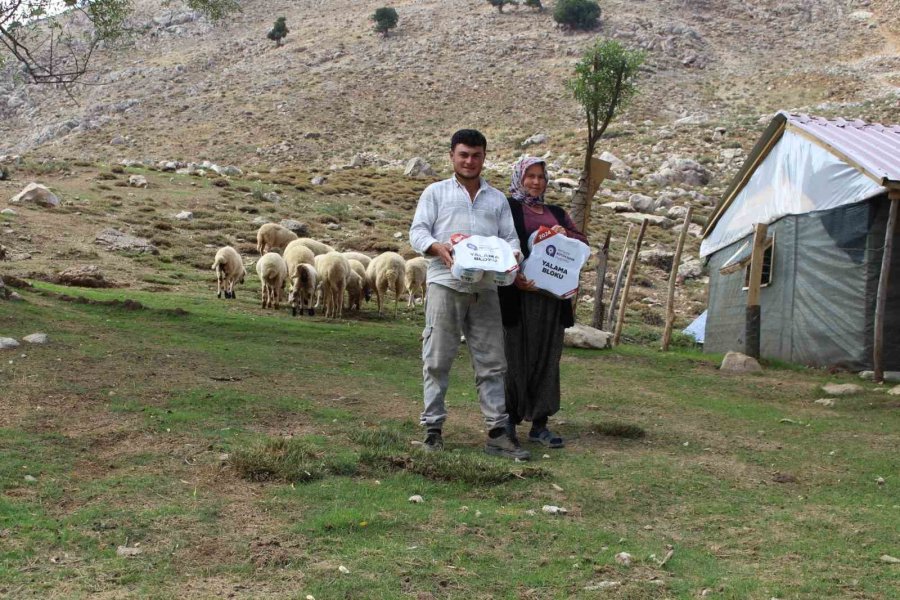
(555, 262)
(476, 257)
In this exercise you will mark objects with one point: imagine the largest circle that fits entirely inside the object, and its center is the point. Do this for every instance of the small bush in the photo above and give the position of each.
(278, 32)
(535, 4)
(499, 4)
(577, 14)
(385, 19)
(294, 460)
(619, 429)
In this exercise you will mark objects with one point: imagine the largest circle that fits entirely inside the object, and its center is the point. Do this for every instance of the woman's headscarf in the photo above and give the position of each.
(516, 189)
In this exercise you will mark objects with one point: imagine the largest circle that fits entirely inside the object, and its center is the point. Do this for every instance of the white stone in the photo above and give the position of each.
(536, 139)
(583, 336)
(737, 362)
(554, 510)
(892, 376)
(416, 499)
(841, 389)
(618, 207)
(8, 343)
(138, 181)
(417, 167)
(185, 215)
(35, 193)
(37, 338)
(894, 391)
(641, 203)
(602, 585)
(825, 401)
(652, 220)
(564, 182)
(623, 558)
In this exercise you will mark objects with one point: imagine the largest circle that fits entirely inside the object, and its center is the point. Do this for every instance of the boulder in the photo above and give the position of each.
(271, 197)
(417, 167)
(138, 181)
(618, 207)
(661, 259)
(892, 376)
(535, 140)
(690, 268)
(37, 338)
(694, 230)
(677, 213)
(652, 220)
(582, 336)
(641, 203)
(825, 401)
(564, 182)
(35, 193)
(185, 215)
(842, 389)
(115, 241)
(894, 391)
(681, 171)
(318, 180)
(229, 171)
(301, 229)
(89, 276)
(8, 343)
(737, 362)
(618, 169)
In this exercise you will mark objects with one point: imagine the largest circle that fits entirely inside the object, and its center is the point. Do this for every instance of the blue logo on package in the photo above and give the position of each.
(551, 250)
(471, 246)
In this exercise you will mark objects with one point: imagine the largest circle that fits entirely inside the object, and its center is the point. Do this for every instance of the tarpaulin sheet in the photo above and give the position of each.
(797, 177)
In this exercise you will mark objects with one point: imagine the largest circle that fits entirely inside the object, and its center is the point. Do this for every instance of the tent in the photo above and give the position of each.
(825, 190)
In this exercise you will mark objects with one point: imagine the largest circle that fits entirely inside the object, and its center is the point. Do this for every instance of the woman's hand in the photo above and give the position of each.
(559, 229)
(524, 284)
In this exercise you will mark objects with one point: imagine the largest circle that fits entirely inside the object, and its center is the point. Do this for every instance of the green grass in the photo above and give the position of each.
(250, 453)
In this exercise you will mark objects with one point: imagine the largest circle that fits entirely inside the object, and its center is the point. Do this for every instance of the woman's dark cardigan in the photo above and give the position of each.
(509, 294)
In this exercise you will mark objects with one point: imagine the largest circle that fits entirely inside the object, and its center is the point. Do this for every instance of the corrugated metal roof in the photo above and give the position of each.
(875, 148)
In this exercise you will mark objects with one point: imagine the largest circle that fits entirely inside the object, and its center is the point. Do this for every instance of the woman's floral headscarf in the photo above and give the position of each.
(516, 189)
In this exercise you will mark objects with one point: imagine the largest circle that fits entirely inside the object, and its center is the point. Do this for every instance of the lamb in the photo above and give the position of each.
(273, 235)
(316, 246)
(358, 268)
(386, 272)
(365, 259)
(355, 289)
(229, 270)
(333, 270)
(303, 289)
(416, 271)
(272, 271)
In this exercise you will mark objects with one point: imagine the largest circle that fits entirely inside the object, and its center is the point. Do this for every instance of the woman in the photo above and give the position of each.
(533, 321)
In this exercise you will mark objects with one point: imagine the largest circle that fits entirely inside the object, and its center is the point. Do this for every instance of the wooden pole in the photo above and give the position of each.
(620, 274)
(602, 259)
(754, 313)
(631, 266)
(881, 301)
(673, 276)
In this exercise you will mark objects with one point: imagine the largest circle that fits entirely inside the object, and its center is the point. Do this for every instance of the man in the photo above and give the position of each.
(465, 204)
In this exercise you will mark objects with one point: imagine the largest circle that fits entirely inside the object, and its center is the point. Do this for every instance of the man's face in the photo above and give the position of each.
(467, 161)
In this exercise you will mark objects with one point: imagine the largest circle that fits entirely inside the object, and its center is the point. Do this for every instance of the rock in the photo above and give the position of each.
(554, 510)
(301, 229)
(737, 362)
(691, 120)
(4, 174)
(271, 197)
(88, 276)
(825, 401)
(8, 212)
(887, 558)
(618, 207)
(694, 230)
(641, 203)
(260, 221)
(116, 241)
(398, 235)
(357, 161)
(618, 169)
(602, 585)
(624, 559)
(564, 182)
(880, 480)
(8, 343)
(677, 213)
(118, 140)
(892, 376)
(3, 252)
(652, 220)
(894, 391)
(333, 226)
(318, 180)
(417, 167)
(841, 389)
(229, 171)
(690, 268)
(343, 569)
(535, 140)
(185, 215)
(681, 171)
(583, 336)
(37, 338)
(35, 193)
(416, 499)
(127, 552)
(138, 181)
(661, 259)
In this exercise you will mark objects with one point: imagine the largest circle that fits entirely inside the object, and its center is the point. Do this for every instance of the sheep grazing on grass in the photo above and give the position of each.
(296, 254)
(303, 289)
(316, 246)
(272, 271)
(365, 259)
(416, 270)
(333, 270)
(355, 290)
(358, 268)
(271, 236)
(229, 270)
(385, 273)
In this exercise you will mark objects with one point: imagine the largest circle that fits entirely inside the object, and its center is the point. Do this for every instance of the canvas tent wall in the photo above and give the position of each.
(822, 188)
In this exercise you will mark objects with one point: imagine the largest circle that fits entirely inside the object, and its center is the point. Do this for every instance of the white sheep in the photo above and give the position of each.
(358, 268)
(229, 270)
(355, 289)
(416, 271)
(272, 271)
(333, 270)
(273, 235)
(303, 289)
(365, 259)
(296, 254)
(385, 273)
(316, 246)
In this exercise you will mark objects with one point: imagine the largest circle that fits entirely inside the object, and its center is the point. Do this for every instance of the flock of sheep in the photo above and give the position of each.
(319, 275)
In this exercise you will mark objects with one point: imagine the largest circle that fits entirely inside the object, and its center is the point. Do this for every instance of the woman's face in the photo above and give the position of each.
(535, 181)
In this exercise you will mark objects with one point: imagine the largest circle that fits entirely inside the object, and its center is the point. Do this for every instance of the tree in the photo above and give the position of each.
(385, 19)
(604, 83)
(53, 40)
(577, 14)
(536, 4)
(279, 31)
(499, 3)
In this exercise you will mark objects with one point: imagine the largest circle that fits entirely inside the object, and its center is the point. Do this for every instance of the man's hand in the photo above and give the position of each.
(559, 229)
(442, 251)
(523, 283)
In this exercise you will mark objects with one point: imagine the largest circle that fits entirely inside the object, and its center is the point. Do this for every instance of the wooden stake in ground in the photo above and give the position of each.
(673, 276)
(754, 312)
(631, 266)
(881, 300)
(602, 259)
(620, 274)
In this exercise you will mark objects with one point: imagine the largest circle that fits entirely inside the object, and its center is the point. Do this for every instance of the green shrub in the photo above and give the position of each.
(279, 31)
(385, 19)
(577, 14)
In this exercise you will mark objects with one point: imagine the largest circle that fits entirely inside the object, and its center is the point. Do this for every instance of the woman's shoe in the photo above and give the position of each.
(546, 438)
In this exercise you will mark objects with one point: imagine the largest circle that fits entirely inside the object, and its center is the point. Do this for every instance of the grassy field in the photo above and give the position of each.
(236, 453)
